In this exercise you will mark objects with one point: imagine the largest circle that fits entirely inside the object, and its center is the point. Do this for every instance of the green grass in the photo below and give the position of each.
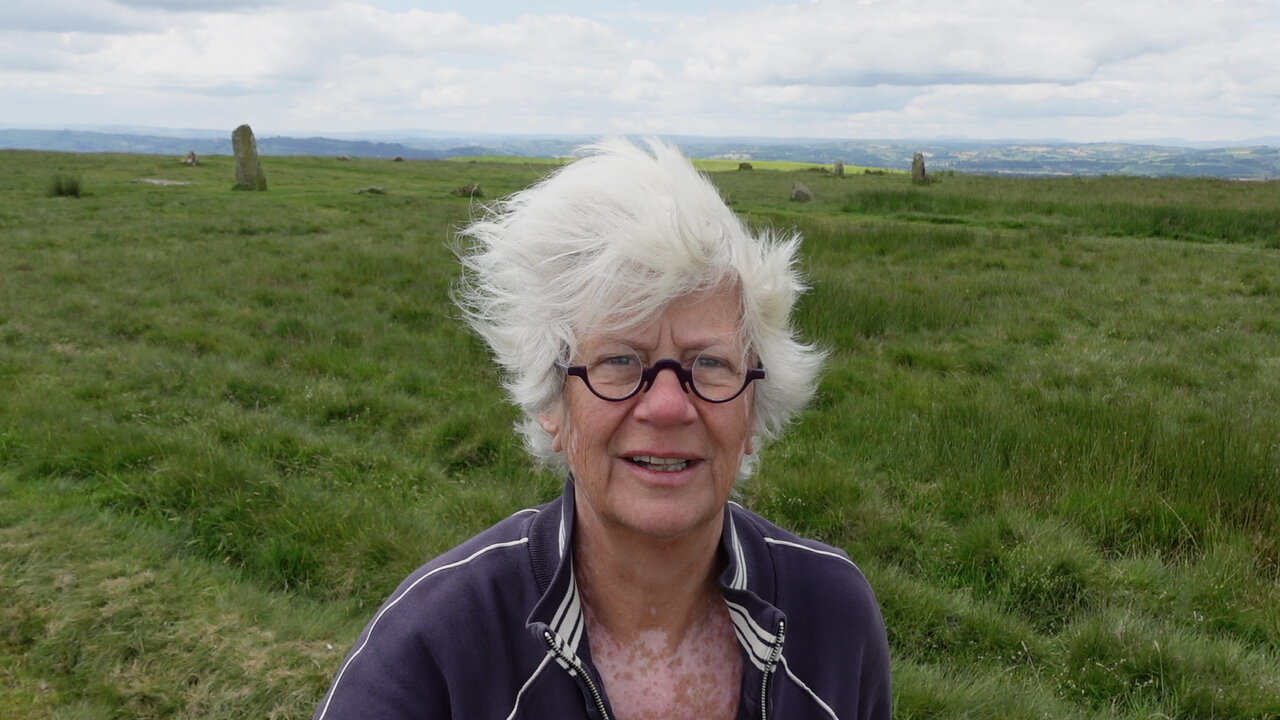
(104, 617)
(232, 422)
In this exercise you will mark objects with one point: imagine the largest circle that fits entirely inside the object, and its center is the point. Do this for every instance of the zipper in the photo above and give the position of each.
(560, 655)
(769, 669)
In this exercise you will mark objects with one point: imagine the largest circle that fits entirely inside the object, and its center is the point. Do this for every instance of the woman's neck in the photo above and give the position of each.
(635, 583)
(659, 629)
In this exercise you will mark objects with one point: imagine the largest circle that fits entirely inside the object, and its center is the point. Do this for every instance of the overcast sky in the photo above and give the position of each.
(1084, 70)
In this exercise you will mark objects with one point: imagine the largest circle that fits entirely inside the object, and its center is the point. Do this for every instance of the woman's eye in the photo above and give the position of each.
(717, 361)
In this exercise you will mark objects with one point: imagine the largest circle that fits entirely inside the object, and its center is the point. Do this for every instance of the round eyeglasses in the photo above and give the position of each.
(616, 373)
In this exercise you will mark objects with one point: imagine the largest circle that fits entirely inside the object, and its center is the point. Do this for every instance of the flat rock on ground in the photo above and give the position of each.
(159, 181)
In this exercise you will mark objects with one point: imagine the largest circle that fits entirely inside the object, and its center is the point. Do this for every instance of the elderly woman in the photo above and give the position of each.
(646, 335)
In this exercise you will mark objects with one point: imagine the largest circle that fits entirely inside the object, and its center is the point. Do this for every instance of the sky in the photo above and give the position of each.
(1076, 70)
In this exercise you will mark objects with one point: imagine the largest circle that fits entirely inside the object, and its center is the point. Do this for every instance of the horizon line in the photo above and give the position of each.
(406, 133)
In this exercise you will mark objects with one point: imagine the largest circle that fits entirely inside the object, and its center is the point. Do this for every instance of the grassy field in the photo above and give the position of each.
(231, 422)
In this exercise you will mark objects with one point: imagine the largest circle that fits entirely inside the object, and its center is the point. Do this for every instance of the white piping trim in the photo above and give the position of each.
(562, 539)
(579, 624)
(739, 581)
(788, 543)
(830, 713)
(757, 641)
(527, 683)
(568, 620)
(395, 601)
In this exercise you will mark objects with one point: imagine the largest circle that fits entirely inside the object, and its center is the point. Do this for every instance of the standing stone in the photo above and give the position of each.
(838, 170)
(918, 176)
(248, 170)
(801, 193)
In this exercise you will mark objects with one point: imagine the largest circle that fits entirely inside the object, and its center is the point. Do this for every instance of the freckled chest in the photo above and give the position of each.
(652, 676)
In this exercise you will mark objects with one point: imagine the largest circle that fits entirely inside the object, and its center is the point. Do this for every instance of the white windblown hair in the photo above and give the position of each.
(621, 233)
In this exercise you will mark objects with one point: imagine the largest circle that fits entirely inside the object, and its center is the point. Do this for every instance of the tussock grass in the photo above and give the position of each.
(64, 186)
(232, 422)
(1116, 658)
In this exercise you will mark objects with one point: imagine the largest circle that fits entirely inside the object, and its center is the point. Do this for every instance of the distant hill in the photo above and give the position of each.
(93, 142)
(1020, 158)
(1038, 159)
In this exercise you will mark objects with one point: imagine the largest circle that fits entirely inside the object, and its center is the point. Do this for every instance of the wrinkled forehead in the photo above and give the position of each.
(695, 320)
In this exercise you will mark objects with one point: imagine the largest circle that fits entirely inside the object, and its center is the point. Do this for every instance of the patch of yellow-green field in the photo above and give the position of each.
(509, 160)
(703, 164)
(721, 165)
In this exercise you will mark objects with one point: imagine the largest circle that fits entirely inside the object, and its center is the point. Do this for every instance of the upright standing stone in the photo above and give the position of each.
(801, 193)
(917, 169)
(838, 170)
(248, 170)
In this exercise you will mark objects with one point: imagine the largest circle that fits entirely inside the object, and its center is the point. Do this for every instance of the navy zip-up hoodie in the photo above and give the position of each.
(494, 629)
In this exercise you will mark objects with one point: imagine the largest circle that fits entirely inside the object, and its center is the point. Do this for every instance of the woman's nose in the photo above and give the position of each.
(666, 400)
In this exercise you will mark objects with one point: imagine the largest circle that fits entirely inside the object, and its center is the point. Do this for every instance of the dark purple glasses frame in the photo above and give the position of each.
(650, 375)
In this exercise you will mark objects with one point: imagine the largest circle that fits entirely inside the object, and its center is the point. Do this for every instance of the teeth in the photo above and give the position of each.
(660, 464)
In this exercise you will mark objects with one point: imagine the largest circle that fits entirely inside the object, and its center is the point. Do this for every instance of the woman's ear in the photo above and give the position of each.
(550, 421)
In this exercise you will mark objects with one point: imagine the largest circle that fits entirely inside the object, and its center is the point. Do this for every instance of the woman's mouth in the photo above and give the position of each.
(659, 464)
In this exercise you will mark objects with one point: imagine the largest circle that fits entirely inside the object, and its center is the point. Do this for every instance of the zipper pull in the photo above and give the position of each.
(575, 668)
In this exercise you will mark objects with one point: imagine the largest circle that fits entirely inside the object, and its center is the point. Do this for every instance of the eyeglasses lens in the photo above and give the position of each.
(718, 372)
(615, 372)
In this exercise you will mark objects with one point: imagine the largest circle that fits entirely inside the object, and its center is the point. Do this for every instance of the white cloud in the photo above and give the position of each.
(933, 42)
(851, 68)
(991, 67)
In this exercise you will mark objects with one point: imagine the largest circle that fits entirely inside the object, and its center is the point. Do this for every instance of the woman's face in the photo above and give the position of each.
(662, 463)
